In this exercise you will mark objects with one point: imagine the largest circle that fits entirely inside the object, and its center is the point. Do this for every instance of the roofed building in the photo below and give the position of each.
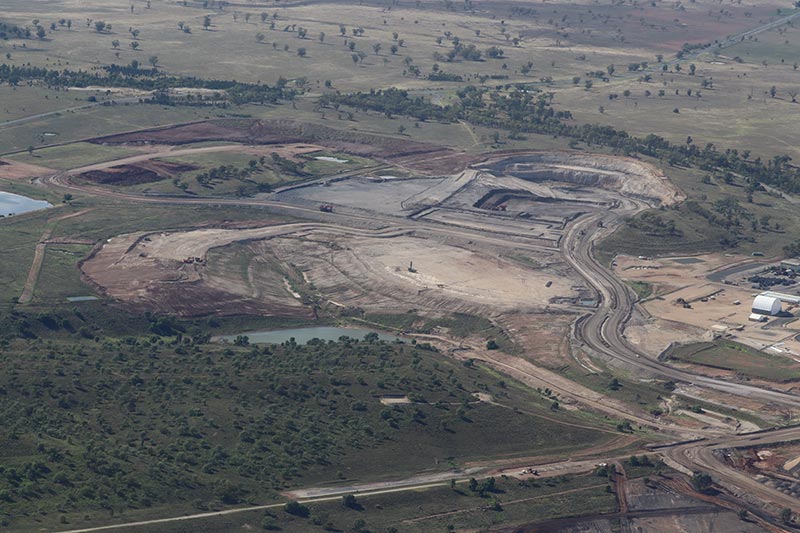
(766, 305)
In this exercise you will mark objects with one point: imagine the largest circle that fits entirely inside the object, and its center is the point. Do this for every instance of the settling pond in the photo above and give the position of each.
(303, 335)
(14, 204)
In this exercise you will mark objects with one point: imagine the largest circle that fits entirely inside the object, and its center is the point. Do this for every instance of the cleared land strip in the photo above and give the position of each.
(245, 509)
(38, 257)
(36, 267)
(505, 504)
(317, 495)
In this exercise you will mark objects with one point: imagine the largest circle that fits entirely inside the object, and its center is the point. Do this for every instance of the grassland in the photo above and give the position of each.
(642, 289)
(696, 234)
(262, 177)
(93, 122)
(39, 100)
(728, 355)
(640, 396)
(19, 236)
(59, 277)
(562, 42)
(72, 155)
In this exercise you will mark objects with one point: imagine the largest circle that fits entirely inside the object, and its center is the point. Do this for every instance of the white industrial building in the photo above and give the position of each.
(791, 264)
(766, 305)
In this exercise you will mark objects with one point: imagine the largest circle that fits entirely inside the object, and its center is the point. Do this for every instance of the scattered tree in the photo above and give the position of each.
(297, 509)
(350, 501)
(702, 482)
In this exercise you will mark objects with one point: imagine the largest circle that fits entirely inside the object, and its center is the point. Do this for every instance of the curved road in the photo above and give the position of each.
(603, 330)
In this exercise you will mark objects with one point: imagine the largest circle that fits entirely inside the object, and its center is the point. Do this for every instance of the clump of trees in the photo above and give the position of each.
(12, 31)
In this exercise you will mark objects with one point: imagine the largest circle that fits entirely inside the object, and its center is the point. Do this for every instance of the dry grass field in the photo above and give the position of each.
(555, 46)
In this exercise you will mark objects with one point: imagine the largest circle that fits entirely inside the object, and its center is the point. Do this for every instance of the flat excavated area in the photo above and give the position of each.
(349, 268)
(712, 307)
(374, 273)
(166, 272)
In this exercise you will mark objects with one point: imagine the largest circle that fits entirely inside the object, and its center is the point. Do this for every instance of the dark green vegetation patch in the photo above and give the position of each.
(738, 358)
(492, 503)
(138, 423)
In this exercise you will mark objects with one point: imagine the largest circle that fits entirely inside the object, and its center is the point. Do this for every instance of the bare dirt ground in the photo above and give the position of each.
(544, 338)
(462, 264)
(775, 467)
(374, 274)
(716, 308)
(167, 272)
(145, 172)
(363, 270)
(627, 176)
(13, 170)
(354, 270)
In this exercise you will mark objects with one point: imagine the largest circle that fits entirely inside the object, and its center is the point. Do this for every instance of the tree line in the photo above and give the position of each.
(133, 77)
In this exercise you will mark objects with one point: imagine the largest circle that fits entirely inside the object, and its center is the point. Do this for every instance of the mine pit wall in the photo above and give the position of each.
(629, 177)
(496, 197)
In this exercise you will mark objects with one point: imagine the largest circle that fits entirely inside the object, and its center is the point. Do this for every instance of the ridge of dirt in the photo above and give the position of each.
(135, 174)
(422, 157)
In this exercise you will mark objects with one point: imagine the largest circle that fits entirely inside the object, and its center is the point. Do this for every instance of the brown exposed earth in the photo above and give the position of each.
(422, 157)
(167, 273)
(144, 172)
(239, 271)
(15, 170)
